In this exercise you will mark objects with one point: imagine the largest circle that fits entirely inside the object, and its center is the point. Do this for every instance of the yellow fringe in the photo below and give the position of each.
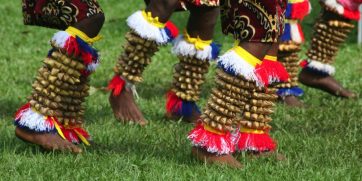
(272, 58)
(76, 32)
(84, 140)
(58, 128)
(251, 59)
(152, 20)
(295, 1)
(199, 44)
(212, 130)
(291, 21)
(252, 131)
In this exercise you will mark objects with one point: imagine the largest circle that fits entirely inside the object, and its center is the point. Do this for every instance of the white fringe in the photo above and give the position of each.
(233, 61)
(334, 4)
(146, 30)
(295, 33)
(329, 69)
(92, 67)
(183, 48)
(225, 148)
(33, 120)
(60, 38)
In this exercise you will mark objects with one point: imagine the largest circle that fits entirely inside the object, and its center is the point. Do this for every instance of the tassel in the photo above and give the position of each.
(116, 85)
(271, 71)
(179, 107)
(182, 47)
(211, 140)
(171, 30)
(353, 15)
(28, 119)
(318, 67)
(298, 10)
(293, 91)
(255, 142)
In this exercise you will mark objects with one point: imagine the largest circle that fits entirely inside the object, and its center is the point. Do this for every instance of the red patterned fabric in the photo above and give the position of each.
(58, 14)
(253, 20)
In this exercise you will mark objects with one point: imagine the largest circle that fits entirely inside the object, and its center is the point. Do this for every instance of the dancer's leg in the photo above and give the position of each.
(53, 118)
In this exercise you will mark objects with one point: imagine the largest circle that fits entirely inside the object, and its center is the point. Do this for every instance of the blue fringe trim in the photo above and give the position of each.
(294, 91)
(187, 108)
(316, 71)
(86, 48)
(215, 50)
(170, 38)
(287, 33)
(16, 123)
(288, 11)
(228, 70)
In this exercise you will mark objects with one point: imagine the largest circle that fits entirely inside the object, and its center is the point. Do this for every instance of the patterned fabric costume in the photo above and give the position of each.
(330, 31)
(290, 45)
(238, 111)
(238, 19)
(58, 14)
(143, 40)
(61, 85)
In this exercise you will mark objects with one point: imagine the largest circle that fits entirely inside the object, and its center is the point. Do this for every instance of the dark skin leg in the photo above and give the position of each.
(259, 50)
(324, 82)
(124, 105)
(291, 100)
(53, 142)
(205, 30)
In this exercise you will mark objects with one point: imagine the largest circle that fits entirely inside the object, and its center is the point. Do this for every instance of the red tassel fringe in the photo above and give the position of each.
(270, 71)
(116, 85)
(71, 133)
(300, 10)
(172, 102)
(353, 15)
(256, 142)
(212, 142)
(172, 28)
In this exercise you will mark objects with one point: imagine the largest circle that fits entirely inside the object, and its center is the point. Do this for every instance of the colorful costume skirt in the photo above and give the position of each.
(253, 20)
(58, 14)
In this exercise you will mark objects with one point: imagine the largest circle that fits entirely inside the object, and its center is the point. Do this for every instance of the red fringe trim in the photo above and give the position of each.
(212, 142)
(256, 142)
(173, 103)
(353, 15)
(172, 28)
(303, 63)
(71, 133)
(21, 109)
(300, 10)
(116, 85)
(270, 71)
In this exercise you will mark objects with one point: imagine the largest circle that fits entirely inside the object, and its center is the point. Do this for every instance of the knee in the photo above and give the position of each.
(98, 20)
(169, 4)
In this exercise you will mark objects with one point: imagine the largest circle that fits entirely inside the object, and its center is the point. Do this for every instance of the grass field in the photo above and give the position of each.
(322, 142)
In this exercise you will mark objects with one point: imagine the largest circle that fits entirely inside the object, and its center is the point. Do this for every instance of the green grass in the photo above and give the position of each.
(322, 142)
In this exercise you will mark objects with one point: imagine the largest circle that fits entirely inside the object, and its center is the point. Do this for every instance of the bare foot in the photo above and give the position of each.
(48, 141)
(278, 156)
(191, 119)
(324, 82)
(292, 101)
(211, 158)
(125, 108)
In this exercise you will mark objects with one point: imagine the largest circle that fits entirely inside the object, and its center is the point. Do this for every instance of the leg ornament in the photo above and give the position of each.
(189, 75)
(60, 88)
(146, 34)
(289, 47)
